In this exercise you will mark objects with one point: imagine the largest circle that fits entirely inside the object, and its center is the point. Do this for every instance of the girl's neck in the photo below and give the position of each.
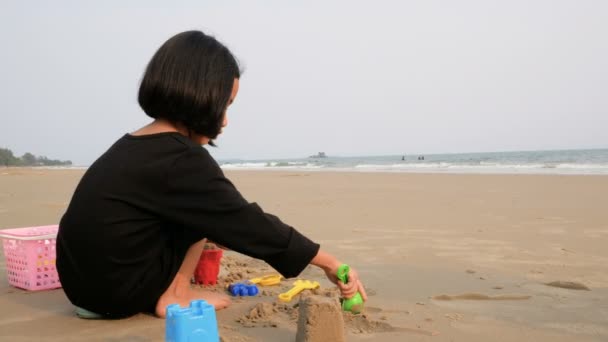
(163, 126)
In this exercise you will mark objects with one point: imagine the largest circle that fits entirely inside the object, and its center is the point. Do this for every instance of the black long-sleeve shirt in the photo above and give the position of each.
(138, 209)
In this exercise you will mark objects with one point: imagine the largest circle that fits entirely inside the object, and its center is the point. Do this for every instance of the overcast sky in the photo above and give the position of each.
(344, 77)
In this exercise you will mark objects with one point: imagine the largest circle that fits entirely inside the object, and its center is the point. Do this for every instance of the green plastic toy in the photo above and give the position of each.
(355, 303)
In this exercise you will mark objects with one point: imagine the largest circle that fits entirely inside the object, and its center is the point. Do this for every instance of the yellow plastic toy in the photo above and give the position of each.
(273, 279)
(298, 286)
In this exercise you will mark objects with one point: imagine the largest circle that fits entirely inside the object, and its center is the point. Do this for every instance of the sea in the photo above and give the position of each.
(579, 162)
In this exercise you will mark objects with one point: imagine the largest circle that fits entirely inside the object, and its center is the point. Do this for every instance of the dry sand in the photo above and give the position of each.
(444, 257)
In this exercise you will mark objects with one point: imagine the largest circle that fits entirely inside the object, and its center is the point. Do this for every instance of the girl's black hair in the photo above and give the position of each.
(189, 81)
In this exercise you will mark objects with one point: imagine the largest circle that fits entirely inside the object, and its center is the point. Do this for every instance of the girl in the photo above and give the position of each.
(139, 218)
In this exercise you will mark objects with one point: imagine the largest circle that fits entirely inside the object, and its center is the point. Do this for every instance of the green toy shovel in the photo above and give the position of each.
(355, 303)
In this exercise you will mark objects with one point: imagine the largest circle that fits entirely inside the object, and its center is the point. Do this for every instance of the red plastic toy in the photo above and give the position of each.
(208, 267)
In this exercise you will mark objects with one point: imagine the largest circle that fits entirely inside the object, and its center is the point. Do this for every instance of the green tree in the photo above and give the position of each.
(7, 158)
(28, 159)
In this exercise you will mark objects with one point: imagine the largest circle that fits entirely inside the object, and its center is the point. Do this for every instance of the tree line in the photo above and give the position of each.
(7, 158)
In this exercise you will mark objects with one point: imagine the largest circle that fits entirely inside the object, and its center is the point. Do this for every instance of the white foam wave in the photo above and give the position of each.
(581, 166)
(271, 165)
(446, 167)
(243, 165)
(485, 167)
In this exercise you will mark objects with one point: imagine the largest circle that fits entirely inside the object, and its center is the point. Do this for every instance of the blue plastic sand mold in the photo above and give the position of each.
(195, 323)
(240, 289)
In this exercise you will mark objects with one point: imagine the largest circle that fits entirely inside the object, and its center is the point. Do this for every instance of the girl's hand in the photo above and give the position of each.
(330, 265)
(351, 288)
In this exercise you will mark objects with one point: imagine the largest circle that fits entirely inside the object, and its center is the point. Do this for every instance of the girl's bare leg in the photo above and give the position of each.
(180, 291)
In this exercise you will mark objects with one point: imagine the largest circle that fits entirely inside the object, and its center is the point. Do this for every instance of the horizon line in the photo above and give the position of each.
(346, 155)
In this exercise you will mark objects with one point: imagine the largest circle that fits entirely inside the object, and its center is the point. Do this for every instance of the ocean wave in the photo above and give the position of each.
(487, 167)
(445, 165)
(271, 165)
(243, 165)
(582, 166)
(505, 167)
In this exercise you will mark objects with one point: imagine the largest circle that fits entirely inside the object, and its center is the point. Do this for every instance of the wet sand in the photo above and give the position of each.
(444, 257)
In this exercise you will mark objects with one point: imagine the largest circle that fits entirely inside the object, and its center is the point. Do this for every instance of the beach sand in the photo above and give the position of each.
(444, 257)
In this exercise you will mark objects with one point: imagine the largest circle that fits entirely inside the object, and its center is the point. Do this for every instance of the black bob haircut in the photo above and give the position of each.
(189, 81)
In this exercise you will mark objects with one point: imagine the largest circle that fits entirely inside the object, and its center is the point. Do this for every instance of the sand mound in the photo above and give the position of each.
(274, 314)
(479, 296)
(570, 285)
(236, 270)
(259, 316)
(268, 315)
(261, 311)
(320, 320)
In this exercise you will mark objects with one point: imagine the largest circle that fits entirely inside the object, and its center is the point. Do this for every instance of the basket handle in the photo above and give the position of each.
(28, 238)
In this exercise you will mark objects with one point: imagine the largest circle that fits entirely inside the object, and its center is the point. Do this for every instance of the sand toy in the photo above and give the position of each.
(241, 289)
(197, 322)
(208, 267)
(353, 304)
(273, 279)
(298, 286)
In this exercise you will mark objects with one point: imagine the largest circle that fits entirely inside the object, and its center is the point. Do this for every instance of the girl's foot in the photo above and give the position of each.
(180, 292)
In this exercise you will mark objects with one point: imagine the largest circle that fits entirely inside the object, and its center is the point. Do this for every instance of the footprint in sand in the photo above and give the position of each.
(372, 309)
(453, 316)
(362, 324)
(570, 285)
(375, 310)
(479, 296)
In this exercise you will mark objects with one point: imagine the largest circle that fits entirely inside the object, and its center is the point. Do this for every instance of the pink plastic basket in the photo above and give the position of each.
(30, 257)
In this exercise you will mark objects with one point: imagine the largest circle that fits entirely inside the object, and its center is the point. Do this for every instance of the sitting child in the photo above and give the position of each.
(137, 223)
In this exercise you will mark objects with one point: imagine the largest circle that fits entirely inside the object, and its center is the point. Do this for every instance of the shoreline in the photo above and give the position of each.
(341, 170)
(423, 172)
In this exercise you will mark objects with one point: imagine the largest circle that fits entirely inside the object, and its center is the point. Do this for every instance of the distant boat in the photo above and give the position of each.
(319, 155)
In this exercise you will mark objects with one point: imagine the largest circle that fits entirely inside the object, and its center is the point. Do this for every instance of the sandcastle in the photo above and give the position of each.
(320, 319)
